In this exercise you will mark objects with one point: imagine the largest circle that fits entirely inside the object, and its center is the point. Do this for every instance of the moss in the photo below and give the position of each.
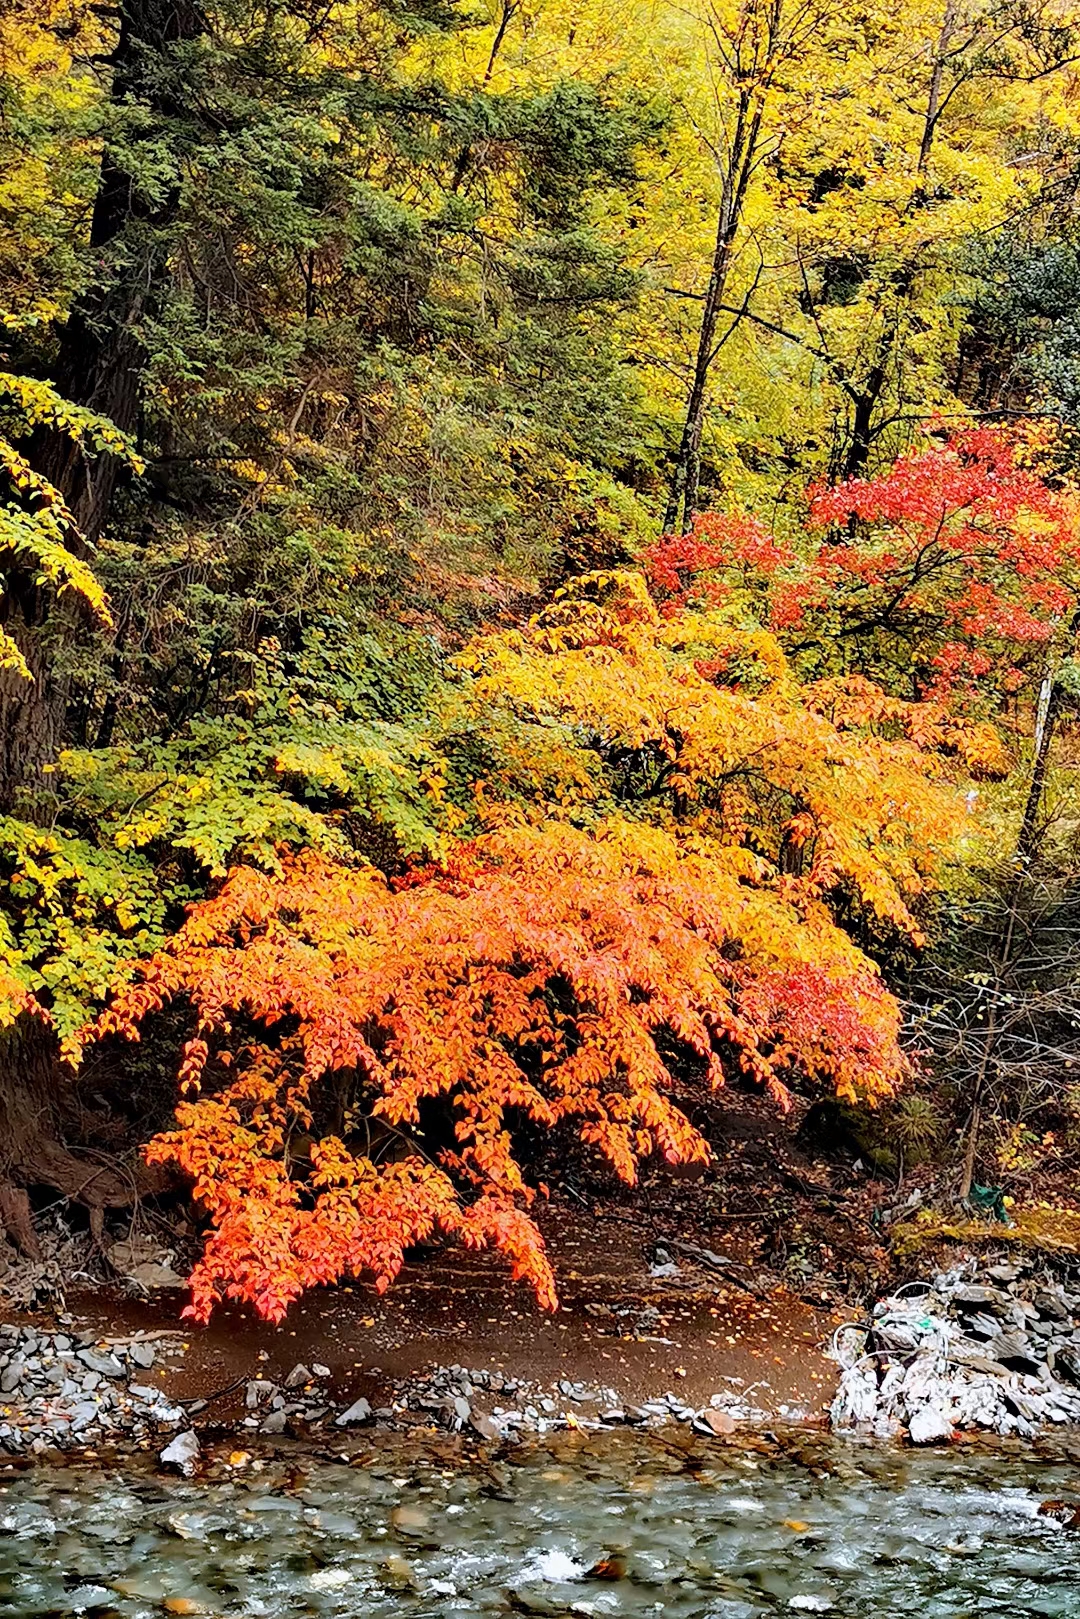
(1041, 1227)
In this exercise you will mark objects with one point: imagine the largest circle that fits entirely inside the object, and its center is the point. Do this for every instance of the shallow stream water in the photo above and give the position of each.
(705, 1534)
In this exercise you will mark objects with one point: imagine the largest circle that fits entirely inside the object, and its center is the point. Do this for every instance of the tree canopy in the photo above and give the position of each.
(538, 545)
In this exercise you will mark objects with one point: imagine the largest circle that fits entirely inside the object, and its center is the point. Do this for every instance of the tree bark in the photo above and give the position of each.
(686, 475)
(102, 357)
(100, 365)
(738, 169)
(29, 717)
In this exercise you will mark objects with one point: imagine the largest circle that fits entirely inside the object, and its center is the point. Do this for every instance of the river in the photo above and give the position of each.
(593, 1525)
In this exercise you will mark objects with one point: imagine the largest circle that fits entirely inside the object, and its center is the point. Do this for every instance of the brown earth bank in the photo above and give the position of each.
(725, 1284)
(718, 1293)
(648, 1311)
(619, 1326)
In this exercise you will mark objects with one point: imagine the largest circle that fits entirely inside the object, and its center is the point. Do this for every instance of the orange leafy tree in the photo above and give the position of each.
(678, 904)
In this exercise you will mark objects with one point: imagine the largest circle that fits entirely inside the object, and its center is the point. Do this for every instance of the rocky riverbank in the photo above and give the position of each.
(991, 1345)
(650, 1332)
(69, 1391)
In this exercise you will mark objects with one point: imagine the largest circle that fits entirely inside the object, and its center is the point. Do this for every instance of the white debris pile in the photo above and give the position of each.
(1001, 1353)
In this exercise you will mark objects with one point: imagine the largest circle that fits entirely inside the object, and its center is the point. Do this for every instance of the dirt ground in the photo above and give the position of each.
(760, 1258)
(617, 1326)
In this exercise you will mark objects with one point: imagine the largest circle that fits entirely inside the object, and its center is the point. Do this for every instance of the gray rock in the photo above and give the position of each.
(982, 1325)
(82, 1415)
(258, 1389)
(11, 1377)
(929, 1426)
(143, 1354)
(358, 1412)
(461, 1408)
(1016, 1350)
(107, 1365)
(274, 1422)
(1068, 1361)
(298, 1377)
(182, 1452)
(319, 1371)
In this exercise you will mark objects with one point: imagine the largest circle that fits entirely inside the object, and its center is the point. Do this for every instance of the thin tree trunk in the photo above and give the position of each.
(867, 399)
(509, 10)
(933, 100)
(686, 477)
(1050, 702)
(686, 474)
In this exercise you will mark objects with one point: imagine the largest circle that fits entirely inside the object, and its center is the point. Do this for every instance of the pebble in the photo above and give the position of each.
(64, 1390)
(106, 1365)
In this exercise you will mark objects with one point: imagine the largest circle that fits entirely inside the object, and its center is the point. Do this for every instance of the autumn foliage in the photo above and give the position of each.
(671, 910)
(951, 572)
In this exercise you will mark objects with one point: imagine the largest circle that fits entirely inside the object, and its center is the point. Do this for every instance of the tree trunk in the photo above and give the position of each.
(862, 434)
(686, 474)
(101, 358)
(933, 100)
(100, 364)
(29, 720)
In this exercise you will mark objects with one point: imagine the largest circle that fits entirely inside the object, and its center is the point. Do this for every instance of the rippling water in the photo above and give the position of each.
(709, 1534)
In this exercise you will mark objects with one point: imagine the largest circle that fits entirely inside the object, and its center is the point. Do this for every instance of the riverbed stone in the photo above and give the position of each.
(106, 1364)
(357, 1413)
(182, 1452)
(929, 1425)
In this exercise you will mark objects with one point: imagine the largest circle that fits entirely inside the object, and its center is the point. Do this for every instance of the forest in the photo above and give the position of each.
(539, 589)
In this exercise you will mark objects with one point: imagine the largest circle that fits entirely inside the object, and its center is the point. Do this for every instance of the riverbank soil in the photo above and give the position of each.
(618, 1326)
(709, 1298)
(734, 1279)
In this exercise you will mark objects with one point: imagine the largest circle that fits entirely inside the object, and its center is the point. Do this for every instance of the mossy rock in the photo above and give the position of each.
(1040, 1228)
